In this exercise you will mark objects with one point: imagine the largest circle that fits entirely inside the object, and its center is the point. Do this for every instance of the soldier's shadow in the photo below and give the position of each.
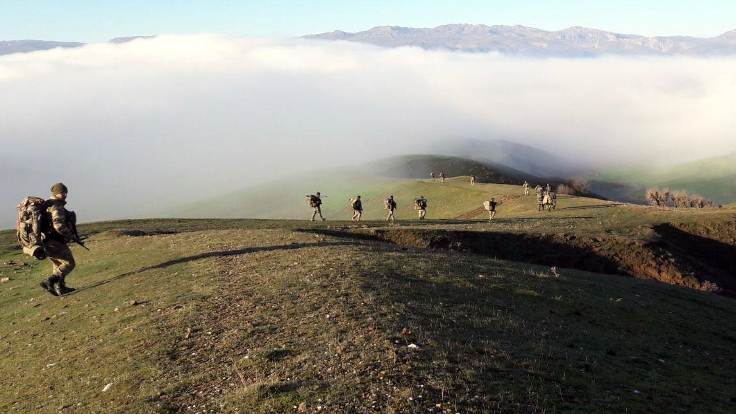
(206, 255)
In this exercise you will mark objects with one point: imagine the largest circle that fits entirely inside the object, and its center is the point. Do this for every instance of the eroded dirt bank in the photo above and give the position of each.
(696, 256)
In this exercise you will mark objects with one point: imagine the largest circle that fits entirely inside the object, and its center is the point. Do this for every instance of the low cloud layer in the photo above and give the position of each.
(136, 126)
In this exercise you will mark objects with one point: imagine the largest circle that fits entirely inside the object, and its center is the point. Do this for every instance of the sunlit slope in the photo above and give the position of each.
(262, 317)
(714, 178)
(452, 199)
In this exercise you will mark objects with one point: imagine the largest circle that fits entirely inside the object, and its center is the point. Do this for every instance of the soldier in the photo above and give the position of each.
(315, 201)
(548, 188)
(472, 180)
(540, 198)
(390, 205)
(491, 207)
(432, 175)
(553, 197)
(547, 202)
(421, 205)
(62, 225)
(526, 188)
(442, 176)
(357, 206)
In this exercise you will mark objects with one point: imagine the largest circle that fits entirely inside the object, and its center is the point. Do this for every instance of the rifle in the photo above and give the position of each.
(73, 224)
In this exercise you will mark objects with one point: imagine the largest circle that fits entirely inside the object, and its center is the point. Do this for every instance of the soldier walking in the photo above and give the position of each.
(421, 205)
(62, 230)
(357, 206)
(390, 205)
(540, 199)
(432, 175)
(315, 201)
(491, 208)
(442, 176)
(472, 180)
(526, 188)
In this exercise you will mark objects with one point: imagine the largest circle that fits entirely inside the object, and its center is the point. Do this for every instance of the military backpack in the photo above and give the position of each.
(314, 201)
(32, 226)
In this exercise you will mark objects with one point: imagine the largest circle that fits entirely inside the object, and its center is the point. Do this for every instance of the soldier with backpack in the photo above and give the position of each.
(526, 188)
(315, 201)
(540, 198)
(490, 206)
(420, 204)
(357, 206)
(390, 205)
(472, 180)
(43, 229)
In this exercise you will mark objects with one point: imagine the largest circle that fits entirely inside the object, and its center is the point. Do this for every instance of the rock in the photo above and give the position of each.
(133, 302)
(302, 407)
(107, 387)
(413, 347)
(4, 279)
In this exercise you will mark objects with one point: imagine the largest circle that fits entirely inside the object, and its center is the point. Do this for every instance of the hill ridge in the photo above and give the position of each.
(571, 41)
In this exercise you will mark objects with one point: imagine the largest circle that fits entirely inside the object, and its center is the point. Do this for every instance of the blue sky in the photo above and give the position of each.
(96, 20)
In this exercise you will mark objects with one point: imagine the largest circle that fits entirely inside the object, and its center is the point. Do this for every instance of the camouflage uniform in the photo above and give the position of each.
(60, 234)
(357, 208)
(526, 188)
(390, 206)
(492, 209)
(540, 200)
(421, 205)
(472, 180)
(315, 201)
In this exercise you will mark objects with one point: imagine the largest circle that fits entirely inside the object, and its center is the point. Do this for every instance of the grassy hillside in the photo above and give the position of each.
(277, 316)
(285, 199)
(713, 178)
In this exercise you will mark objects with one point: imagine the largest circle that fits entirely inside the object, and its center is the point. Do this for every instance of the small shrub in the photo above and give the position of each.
(664, 197)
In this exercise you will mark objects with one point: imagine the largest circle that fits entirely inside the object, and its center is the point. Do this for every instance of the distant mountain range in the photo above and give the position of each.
(8, 47)
(520, 40)
(514, 40)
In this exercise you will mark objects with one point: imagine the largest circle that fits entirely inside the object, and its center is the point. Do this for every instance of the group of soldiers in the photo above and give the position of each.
(442, 176)
(315, 202)
(46, 227)
(546, 198)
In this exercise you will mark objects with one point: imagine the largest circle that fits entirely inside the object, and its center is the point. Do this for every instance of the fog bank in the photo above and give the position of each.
(133, 127)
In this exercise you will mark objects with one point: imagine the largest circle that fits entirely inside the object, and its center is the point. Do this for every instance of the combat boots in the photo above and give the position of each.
(58, 286)
(52, 285)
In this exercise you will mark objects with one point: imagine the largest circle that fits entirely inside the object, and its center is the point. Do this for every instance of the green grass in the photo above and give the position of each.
(285, 199)
(232, 315)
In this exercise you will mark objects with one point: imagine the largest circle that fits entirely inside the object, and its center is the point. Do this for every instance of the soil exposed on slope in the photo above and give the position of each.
(693, 255)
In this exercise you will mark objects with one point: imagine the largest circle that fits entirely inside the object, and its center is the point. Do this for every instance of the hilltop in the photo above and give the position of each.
(520, 40)
(445, 316)
(374, 181)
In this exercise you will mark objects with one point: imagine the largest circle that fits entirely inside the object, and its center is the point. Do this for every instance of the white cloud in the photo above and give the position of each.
(160, 120)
